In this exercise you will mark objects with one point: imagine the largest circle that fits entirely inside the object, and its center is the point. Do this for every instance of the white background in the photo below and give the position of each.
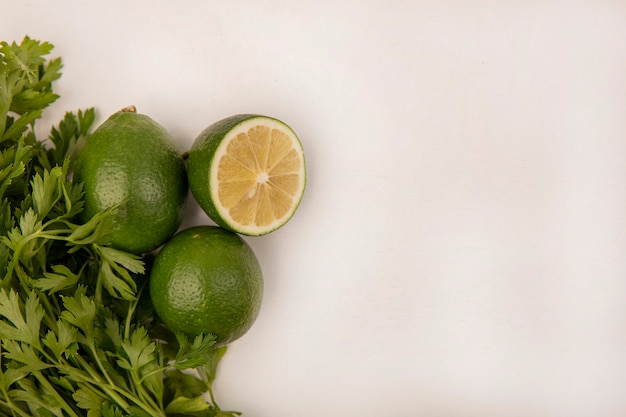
(461, 246)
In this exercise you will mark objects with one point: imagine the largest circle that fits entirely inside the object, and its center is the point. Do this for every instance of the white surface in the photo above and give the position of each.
(460, 249)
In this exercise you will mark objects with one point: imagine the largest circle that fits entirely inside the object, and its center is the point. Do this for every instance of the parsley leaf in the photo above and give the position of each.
(25, 84)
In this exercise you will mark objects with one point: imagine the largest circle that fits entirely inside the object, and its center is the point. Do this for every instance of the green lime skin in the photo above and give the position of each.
(207, 280)
(130, 163)
(200, 164)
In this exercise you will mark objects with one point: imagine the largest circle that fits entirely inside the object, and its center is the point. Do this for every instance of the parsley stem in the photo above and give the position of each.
(208, 380)
(94, 353)
(137, 379)
(93, 378)
(15, 410)
(50, 309)
(143, 394)
(129, 317)
(156, 371)
(66, 407)
(112, 391)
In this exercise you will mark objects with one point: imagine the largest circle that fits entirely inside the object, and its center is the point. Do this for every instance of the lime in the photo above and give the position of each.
(247, 172)
(206, 279)
(130, 163)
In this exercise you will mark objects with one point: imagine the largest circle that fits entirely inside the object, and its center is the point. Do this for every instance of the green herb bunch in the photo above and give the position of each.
(78, 334)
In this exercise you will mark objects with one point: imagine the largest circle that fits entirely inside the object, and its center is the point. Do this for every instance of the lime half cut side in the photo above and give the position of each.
(247, 172)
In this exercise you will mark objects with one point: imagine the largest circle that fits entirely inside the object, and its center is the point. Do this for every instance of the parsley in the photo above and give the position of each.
(77, 333)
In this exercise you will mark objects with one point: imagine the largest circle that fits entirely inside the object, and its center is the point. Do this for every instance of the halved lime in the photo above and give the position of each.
(247, 172)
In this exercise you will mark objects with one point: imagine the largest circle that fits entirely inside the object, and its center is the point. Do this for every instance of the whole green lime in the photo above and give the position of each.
(130, 163)
(207, 280)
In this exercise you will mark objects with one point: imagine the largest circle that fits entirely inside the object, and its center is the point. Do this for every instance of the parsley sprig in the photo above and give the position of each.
(78, 334)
